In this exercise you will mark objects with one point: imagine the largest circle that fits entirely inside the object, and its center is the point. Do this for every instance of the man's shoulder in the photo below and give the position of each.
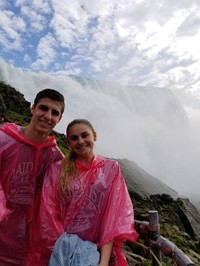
(9, 130)
(6, 127)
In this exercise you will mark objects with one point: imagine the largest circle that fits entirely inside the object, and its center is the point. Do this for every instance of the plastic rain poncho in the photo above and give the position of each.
(22, 168)
(96, 206)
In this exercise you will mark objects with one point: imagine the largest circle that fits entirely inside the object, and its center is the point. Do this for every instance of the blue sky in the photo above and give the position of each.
(147, 43)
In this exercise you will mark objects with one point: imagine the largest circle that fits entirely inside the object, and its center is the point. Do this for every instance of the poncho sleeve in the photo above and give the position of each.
(4, 211)
(118, 219)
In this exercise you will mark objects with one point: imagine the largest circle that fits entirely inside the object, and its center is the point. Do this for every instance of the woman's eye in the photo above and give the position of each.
(73, 138)
(85, 135)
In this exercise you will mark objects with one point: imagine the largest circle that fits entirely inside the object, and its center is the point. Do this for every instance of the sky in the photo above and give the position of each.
(146, 43)
(139, 43)
(152, 44)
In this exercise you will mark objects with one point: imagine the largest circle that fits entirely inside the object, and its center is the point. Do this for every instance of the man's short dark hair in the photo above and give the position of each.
(51, 94)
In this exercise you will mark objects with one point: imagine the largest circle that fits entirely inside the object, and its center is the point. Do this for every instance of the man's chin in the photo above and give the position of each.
(44, 130)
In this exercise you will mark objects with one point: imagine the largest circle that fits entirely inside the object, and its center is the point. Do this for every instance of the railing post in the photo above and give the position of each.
(154, 229)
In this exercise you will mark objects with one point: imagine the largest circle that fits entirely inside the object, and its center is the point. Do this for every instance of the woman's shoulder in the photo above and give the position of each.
(107, 161)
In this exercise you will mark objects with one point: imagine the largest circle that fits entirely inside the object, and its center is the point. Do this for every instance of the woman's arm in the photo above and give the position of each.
(105, 254)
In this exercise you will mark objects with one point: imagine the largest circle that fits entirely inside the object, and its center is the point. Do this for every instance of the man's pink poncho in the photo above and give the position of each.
(22, 169)
(96, 207)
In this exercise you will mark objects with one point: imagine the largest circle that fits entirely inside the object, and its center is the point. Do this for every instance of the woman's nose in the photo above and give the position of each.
(80, 140)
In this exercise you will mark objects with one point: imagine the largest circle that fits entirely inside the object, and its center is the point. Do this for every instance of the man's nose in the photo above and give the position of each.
(48, 114)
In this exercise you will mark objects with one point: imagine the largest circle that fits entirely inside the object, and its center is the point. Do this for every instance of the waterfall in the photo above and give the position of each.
(144, 124)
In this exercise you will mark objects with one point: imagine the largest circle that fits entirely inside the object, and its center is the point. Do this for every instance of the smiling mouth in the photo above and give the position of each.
(45, 123)
(82, 148)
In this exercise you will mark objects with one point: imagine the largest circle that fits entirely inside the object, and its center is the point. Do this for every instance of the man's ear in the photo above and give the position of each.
(32, 108)
(60, 118)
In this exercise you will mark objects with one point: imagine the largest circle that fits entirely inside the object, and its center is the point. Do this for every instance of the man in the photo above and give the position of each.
(25, 154)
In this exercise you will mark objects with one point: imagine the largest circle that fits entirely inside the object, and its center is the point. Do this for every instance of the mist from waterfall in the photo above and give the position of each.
(146, 125)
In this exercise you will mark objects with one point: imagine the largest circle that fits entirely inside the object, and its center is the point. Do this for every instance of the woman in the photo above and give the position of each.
(89, 198)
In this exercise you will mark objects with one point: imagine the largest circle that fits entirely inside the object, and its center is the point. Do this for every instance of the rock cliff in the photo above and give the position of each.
(179, 218)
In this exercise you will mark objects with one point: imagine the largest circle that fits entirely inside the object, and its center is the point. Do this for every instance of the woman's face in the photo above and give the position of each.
(81, 139)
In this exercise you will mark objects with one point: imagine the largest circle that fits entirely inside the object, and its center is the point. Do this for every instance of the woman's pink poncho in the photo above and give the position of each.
(96, 207)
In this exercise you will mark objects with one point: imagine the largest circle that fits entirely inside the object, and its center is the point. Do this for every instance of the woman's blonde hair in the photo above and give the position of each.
(68, 167)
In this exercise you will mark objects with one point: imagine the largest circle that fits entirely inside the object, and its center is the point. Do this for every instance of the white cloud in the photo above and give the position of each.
(42, 6)
(3, 4)
(46, 52)
(11, 27)
(27, 58)
(69, 22)
(37, 22)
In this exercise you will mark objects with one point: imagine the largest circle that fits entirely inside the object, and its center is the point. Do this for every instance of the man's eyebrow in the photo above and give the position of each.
(46, 108)
(41, 104)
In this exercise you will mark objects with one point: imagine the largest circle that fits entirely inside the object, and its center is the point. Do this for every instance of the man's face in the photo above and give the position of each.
(45, 115)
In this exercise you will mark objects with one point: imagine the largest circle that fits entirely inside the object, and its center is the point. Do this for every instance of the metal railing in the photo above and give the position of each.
(160, 244)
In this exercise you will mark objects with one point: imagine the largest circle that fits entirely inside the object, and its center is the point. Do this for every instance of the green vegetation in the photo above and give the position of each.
(61, 141)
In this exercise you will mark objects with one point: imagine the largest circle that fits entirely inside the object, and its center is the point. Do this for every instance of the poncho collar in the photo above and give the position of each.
(96, 163)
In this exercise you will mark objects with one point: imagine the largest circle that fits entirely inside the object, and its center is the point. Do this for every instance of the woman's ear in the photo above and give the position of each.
(95, 136)
(67, 143)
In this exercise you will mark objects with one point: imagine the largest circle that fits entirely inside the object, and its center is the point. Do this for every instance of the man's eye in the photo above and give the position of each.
(43, 107)
(55, 113)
